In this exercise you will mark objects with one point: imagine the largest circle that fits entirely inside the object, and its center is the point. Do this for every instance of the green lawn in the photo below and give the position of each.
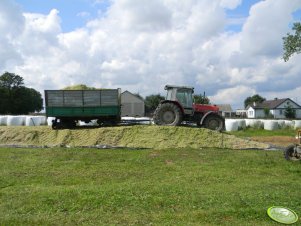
(251, 132)
(145, 187)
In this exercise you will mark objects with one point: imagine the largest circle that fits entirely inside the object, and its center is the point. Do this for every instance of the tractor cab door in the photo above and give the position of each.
(184, 96)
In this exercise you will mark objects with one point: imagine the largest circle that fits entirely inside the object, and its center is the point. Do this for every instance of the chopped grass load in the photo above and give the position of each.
(158, 137)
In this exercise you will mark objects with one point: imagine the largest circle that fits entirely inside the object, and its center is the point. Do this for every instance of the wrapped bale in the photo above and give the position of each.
(33, 121)
(49, 121)
(241, 124)
(281, 124)
(3, 120)
(288, 124)
(297, 124)
(43, 120)
(271, 125)
(254, 123)
(92, 123)
(231, 125)
(15, 120)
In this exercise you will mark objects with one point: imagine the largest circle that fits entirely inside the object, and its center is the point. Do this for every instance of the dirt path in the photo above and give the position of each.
(281, 141)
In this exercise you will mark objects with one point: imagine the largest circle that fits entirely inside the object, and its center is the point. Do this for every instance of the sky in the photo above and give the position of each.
(230, 49)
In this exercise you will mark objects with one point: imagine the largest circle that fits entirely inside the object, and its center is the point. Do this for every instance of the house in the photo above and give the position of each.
(132, 105)
(276, 108)
(226, 110)
(241, 113)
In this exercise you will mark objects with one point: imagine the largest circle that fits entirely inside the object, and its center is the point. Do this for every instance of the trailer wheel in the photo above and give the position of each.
(214, 122)
(290, 153)
(168, 114)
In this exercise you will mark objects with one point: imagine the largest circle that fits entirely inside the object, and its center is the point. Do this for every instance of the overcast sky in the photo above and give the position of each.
(231, 49)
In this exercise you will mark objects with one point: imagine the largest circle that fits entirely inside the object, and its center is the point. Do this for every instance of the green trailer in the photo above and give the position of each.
(70, 106)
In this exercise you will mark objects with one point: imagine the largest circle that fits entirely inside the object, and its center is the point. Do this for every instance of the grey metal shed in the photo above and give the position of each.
(132, 105)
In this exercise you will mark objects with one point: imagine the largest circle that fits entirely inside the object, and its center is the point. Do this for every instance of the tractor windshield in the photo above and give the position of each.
(184, 96)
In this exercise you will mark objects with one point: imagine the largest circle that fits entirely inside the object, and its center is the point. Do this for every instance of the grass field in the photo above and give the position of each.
(251, 132)
(145, 187)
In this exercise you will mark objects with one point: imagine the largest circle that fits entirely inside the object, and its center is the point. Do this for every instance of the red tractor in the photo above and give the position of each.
(179, 107)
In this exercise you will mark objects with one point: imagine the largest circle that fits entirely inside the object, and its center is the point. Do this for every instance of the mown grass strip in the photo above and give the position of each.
(252, 132)
(140, 187)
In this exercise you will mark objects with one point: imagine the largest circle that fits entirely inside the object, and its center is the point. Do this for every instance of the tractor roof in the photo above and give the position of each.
(178, 87)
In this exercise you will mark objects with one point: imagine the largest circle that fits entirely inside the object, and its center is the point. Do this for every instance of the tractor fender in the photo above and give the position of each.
(205, 116)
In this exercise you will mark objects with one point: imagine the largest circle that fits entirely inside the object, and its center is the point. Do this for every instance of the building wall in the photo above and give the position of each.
(131, 105)
(298, 113)
(279, 112)
(251, 113)
(259, 113)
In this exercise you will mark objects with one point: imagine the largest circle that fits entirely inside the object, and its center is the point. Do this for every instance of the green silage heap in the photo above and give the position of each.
(157, 137)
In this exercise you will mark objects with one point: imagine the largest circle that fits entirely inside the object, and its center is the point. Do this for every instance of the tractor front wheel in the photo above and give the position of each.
(214, 122)
(168, 114)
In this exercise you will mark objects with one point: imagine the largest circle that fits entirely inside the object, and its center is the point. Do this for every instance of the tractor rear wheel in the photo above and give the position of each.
(168, 114)
(214, 122)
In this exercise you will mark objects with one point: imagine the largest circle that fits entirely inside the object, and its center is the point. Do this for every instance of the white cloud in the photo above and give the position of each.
(230, 4)
(235, 93)
(142, 45)
(267, 24)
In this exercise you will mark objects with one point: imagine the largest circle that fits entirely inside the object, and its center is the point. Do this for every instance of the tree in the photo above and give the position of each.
(152, 101)
(79, 87)
(15, 98)
(292, 42)
(201, 99)
(255, 98)
(11, 80)
(289, 112)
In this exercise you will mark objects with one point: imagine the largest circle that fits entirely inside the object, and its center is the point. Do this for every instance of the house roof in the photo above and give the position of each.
(136, 95)
(224, 107)
(270, 104)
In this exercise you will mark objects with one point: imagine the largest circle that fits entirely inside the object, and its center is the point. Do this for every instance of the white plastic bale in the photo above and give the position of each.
(271, 125)
(297, 124)
(254, 123)
(289, 124)
(231, 125)
(43, 120)
(15, 120)
(92, 123)
(33, 121)
(281, 124)
(49, 121)
(3, 120)
(241, 124)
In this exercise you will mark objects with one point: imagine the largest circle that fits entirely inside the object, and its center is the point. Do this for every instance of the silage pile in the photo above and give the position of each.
(157, 137)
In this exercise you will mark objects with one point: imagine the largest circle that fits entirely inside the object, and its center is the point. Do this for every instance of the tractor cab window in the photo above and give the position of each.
(184, 96)
(169, 94)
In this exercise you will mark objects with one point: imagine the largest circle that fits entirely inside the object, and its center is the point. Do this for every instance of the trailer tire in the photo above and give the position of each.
(168, 114)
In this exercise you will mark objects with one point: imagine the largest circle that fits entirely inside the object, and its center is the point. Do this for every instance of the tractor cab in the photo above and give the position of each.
(182, 95)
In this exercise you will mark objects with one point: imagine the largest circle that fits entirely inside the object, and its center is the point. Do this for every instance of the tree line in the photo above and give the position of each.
(15, 98)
